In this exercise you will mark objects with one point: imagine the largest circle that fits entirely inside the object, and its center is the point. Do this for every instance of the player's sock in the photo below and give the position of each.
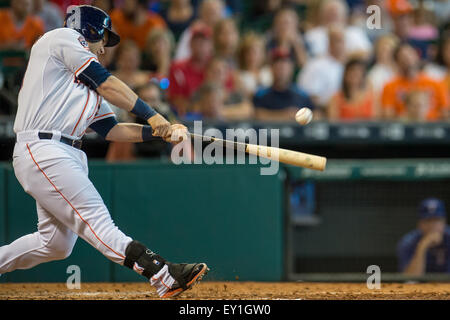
(162, 281)
(149, 264)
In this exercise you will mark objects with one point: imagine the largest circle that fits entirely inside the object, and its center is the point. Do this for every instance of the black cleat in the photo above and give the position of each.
(186, 275)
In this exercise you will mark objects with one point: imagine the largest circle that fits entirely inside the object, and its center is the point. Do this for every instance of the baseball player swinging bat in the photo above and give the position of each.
(294, 158)
(65, 92)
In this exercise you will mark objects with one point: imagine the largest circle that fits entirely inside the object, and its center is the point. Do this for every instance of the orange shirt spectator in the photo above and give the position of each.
(361, 109)
(12, 36)
(137, 25)
(395, 92)
(446, 84)
(356, 99)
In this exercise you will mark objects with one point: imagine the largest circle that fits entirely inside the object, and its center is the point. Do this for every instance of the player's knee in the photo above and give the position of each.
(61, 253)
(58, 250)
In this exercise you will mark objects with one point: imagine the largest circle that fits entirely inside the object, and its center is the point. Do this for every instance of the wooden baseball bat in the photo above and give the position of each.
(294, 158)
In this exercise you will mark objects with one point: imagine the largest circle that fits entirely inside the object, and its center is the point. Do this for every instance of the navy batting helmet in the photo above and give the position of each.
(91, 22)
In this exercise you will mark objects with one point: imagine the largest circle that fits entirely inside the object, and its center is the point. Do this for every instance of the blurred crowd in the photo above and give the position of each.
(260, 59)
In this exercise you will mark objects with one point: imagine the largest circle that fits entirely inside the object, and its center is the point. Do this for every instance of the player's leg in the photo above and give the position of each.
(64, 189)
(56, 176)
(52, 241)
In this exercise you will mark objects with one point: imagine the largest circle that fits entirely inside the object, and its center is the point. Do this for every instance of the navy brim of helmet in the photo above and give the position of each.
(113, 39)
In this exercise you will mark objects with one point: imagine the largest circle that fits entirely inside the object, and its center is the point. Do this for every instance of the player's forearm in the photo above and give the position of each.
(118, 93)
(126, 132)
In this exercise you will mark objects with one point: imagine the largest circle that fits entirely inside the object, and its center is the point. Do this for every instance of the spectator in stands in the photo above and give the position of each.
(355, 101)
(210, 12)
(282, 100)
(237, 104)
(408, 79)
(441, 10)
(261, 14)
(19, 28)
(187, 75)
(211, 104)
(179, 15)
(416, 104)
(218, 71)
(360, 18)
(253, 73)
(134, 21)
(335, 13)
(151, 93)
(401, 12)
(226, 41)
(426, 249)
(321, 77)
(423, 33)
(50, 13)
(436, 68)
(440, 70)
(423, 27)
(285, 34)
(63, 4)
(384, 68)
(444, 60)
(158, 53)
(128, 61)
(105, 5)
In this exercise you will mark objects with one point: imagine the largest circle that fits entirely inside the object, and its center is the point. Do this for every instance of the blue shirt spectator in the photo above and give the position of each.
(282, 100)
(426, 249)
(270, 98)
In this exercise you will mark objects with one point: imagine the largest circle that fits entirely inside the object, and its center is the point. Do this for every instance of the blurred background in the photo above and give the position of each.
(378, 82)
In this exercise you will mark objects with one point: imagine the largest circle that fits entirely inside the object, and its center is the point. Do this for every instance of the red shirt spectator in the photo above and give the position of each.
(63, 4)
(187, 75)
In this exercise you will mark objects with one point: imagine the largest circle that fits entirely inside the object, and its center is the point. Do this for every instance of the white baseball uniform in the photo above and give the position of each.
(56, 174)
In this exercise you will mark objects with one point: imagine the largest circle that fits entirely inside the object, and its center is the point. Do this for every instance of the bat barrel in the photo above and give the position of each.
(294, 158)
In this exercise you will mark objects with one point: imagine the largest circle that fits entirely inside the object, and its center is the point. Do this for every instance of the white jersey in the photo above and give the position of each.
(51, 98)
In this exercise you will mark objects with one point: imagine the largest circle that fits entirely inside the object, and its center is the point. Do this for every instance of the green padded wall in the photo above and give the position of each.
(228, 216)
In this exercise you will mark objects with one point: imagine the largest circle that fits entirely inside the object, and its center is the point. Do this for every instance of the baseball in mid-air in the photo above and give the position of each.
(304, 116)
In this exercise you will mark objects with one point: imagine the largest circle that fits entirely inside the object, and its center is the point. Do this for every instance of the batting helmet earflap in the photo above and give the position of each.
(91, 22)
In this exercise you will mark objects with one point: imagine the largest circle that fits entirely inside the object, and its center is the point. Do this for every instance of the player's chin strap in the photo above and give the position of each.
(141, 259)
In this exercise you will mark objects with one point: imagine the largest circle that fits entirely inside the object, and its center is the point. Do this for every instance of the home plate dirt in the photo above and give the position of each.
(227, 290)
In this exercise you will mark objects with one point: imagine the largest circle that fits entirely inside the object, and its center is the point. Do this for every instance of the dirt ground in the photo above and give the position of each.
(227, 290)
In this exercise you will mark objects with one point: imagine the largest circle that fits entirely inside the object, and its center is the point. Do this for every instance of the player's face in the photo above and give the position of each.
(98, 48)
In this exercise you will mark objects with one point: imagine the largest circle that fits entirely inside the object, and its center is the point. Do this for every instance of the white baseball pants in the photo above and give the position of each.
(68, 205)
